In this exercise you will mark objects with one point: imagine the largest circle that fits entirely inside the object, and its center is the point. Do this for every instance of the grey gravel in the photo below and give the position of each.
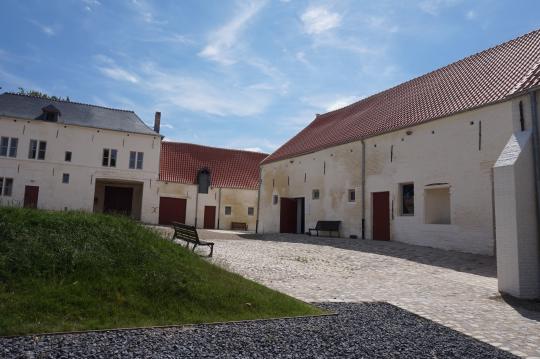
(360, 330)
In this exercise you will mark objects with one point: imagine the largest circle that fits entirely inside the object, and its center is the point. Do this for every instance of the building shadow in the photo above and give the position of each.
(462, 262)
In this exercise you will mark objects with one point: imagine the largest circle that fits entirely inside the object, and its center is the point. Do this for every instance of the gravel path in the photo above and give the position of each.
(360, 330)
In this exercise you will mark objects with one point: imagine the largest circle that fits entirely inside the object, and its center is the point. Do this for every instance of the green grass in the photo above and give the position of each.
(63, 271)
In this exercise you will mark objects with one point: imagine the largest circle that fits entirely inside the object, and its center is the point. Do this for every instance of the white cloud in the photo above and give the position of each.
(46, 29)
(226, 38)
(341, 102)
(118, 73)
(319, 19)
(434, 7)
(381, 23)
(146, 12)
(253, 149)
(326, 102)
(470, 15)
(89, 5)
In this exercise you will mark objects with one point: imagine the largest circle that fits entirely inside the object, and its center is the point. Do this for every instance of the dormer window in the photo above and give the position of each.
(203, 180)
(50, 113)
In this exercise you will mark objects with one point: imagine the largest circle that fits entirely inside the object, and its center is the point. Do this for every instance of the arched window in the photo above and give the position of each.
(203, 180)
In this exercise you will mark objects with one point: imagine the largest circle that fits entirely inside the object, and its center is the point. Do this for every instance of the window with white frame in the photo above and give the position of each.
(228, 210)
(136, 160)
(406, 191)
(37, 150)
(109, 157)
(6, 186)
(8, 146)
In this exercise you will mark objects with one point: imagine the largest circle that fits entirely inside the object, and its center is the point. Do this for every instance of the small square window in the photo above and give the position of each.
(67, 156)
(352, 195)
(407, 199)
(251, 211)
(315, 194)
(109, 157)
(228, 210)
(65, 178)
(275, 199)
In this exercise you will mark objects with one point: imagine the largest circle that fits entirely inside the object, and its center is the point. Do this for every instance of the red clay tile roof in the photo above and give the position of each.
(181, 162)
(487, 77)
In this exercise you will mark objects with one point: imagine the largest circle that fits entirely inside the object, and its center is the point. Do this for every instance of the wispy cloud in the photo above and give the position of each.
(109, 68)
(328, 102)
(169, 38)
(146, 12)
(319, 19)
(223, 40)
(89, 5)
(48, 30)
(434, 7)
(470, 15)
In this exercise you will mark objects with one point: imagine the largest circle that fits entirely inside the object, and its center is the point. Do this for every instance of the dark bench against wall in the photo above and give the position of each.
(189, 235)
(239, 226)
(326, 226)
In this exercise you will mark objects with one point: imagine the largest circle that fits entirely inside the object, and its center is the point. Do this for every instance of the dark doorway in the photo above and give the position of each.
(288, 215)
(381, 216)
(31, 194)
(300, 215)
(118, 200)
(172, 210)
(209, 217)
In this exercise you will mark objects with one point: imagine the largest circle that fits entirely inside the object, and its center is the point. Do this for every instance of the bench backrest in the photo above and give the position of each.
(327, 225)
(185, 232)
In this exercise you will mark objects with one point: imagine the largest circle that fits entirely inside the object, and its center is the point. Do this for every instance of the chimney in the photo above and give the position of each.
(157, 122)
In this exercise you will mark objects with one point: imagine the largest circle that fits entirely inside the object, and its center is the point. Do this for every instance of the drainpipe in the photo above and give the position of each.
(258, 201)
(219, 208)
(196, 205)
(363, 189)
(535, 143)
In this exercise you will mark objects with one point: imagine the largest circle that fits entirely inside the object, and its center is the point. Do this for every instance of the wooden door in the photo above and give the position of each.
(381, 216)
(31, 194)
(209, 217)
(287, 215)
(118, 200)
(172, 210)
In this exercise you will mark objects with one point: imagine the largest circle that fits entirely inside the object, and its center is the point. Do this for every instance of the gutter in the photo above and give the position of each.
(363, 189)
(258, 200)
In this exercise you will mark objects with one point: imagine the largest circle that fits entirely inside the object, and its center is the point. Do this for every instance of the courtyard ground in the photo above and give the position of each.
(454, 289)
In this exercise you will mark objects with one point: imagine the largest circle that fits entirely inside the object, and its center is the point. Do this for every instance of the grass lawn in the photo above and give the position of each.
(62, 271)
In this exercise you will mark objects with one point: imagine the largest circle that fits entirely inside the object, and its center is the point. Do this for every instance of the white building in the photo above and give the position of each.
(63, 155)
(444, 160)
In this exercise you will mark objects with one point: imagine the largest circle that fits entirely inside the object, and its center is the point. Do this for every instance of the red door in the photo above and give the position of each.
(31, 194)
(209, 217)
(287, 215)
(172, 210)
(381, 216)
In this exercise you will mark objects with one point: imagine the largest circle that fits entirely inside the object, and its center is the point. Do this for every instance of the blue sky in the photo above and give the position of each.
(241, 74)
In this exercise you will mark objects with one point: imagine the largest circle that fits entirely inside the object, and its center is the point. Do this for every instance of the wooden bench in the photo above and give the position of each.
(326, 226)
(238, 226)
(189, 235)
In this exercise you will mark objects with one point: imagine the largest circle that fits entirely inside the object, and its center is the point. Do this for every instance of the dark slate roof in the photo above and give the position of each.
(181, 162)
(487, 77)
(73, 113)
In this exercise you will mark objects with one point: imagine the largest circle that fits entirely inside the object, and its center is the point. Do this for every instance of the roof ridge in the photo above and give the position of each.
(70, 102)
(433, 71)
(214, 147)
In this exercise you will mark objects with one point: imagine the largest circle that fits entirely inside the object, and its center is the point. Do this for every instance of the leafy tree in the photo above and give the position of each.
(35, 93)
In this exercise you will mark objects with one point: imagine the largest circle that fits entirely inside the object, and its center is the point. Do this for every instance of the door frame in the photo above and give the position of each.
(26, 188)
(204, 217)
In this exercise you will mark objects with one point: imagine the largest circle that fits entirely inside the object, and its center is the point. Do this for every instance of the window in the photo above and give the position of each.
(437, 205)
(275, 199)
(32, 152)
(228, 210)
(203, 180)
(251, 211)
(13, 147)
(407, 199)
(352, 195)
(6, 186)
(109, 157)
(67, 156)
(65, 178)
(315, 194)
(136, 160)
(37, 150)
(7, 147)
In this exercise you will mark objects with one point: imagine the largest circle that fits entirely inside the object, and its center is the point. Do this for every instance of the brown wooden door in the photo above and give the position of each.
(118, 200)
(381, 216)
(31, 194)
(209, 217)
(172, 210)
(287, 215)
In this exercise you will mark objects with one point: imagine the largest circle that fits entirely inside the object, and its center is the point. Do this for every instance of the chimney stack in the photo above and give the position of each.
(157, 122)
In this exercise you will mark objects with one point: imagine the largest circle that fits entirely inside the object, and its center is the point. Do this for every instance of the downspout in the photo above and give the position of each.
(219, 208)
(535, 143)
(258, 200)
(196, 205)
(363, 189)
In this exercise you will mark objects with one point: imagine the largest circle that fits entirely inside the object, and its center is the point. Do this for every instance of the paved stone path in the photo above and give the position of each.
(454, 289)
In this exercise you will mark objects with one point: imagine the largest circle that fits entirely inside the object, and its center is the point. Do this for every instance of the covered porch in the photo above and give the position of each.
(119, 197)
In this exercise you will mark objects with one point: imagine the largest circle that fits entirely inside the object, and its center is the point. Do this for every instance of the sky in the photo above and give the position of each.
(241, 74)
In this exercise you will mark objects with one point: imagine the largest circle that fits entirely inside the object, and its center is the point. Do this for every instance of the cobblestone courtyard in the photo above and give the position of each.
(454, 289)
